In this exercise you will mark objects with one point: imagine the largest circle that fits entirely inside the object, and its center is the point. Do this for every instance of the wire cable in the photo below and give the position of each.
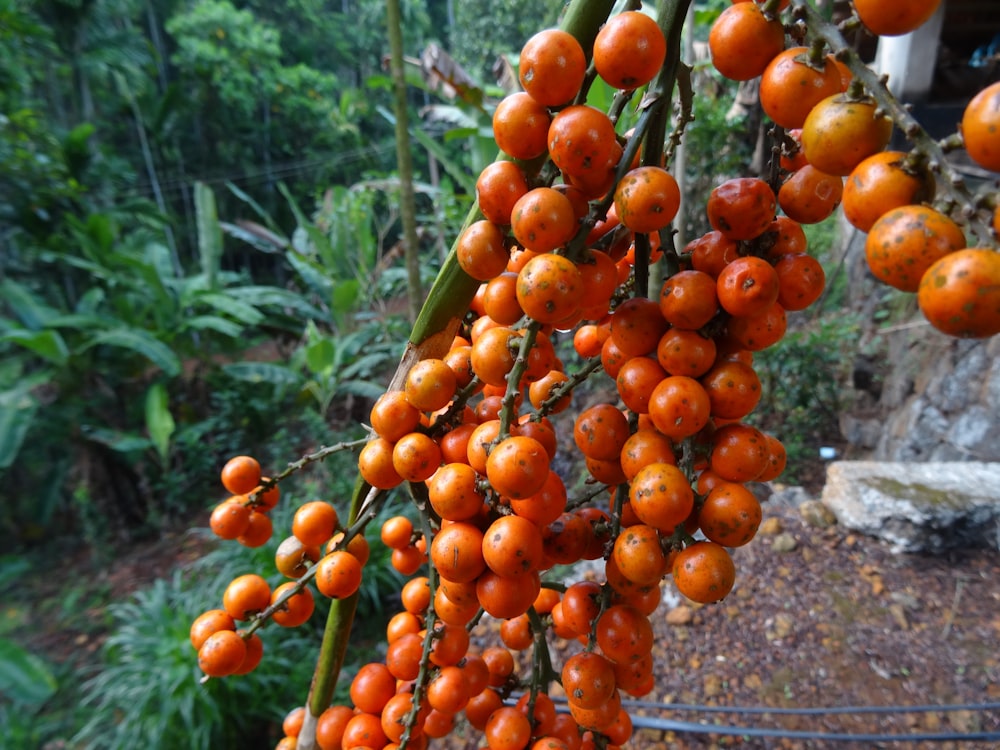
(278, 170)
(670, 725)
(817, 711)
(687, 707)
(693, 727)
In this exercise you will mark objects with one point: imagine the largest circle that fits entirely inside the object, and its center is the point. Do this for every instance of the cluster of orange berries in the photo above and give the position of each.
(222, 649)
(499, 513)
(834, 131)
(475, 433)
(464, 682)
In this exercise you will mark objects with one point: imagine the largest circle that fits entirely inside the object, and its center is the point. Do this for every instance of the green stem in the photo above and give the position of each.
(508, 409)
(671, 20)
(453, 289)
(777, 135)
(542, 672)
(621, 496)
(586, 498)
(771, 8)
(642, 252)
(576, 246)
(567, 386)
(430, 621)
(650, 130)
(337, 632)
(685, 92)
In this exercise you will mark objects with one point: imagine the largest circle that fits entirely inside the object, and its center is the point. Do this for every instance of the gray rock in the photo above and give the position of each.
(947, 453)
(817, 515)
(991, 390)
(861, 432)
(791, 496)
(784, 542)
(952, 393)
(975, 431)
(761, 490)
(917, 507)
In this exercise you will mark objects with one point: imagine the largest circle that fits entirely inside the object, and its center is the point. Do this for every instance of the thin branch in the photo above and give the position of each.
(953, 184)
(323, 453)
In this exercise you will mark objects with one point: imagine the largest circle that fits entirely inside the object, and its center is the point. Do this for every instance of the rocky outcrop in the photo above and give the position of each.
(917, 394)
(918, 507)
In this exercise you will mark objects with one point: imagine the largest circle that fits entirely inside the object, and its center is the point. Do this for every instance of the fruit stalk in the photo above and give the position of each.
(420, 685)
(953, 184)
(670, 18)
(319, 455)
(431, 336)
(335, 638)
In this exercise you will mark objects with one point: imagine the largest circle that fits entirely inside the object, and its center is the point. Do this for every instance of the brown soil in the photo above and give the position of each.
(73, 621)
(840, 620)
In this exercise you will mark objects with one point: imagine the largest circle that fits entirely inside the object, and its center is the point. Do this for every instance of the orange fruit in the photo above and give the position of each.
(960, 293)
(981, 128)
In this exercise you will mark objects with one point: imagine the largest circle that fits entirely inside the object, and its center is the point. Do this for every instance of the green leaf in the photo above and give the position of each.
(320, 355)
(457, 172)
(142, 343)
(273, 296)
(17, 412)
(81, 321)
(90, 301)
(365, 365)
(159, 421)
(77, 138)
(24, 677)
(215, 323)
(312, 273)
(95, 269)
(319, 241)
(232, 306)
(158, 256)
(345, 296)
(47, 344)
(262, 372)
(165, 108)
(209, 233)
(706, 17)
(255, 239)
(148, 280)
(601, 95)
(31, 311)
(12, 567)
(257, 208)
(379, 82)
(123, 442)
(101, 230)
(461, 133)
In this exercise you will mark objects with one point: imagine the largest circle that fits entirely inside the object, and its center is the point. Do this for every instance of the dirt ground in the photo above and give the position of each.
(839, 620)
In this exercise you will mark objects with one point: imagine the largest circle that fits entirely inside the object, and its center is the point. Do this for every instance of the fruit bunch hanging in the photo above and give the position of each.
(569, 223)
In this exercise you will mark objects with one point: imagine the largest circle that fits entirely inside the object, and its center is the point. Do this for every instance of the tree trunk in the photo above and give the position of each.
(407, 204)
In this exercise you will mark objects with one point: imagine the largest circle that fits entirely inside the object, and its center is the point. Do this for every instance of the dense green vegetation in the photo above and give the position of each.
(198, 235)
(128, 130)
